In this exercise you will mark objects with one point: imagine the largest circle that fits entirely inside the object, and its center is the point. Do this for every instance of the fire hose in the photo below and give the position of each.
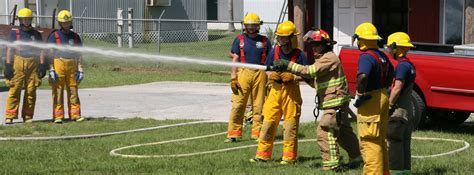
(116, 152)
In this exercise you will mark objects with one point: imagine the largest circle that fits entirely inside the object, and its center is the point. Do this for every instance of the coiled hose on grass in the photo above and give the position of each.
(115, 152)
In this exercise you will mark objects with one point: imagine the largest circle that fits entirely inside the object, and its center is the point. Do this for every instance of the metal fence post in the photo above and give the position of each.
(82, 21)
(130, 28)
(159, 32)
(119, 27)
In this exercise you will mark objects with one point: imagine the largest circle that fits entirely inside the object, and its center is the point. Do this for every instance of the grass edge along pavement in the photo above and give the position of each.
(93, 156)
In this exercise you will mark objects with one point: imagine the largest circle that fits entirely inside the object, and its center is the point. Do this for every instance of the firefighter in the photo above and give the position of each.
(401, 121)
(250, 48)
(284, 99)
(65, 70)
(331, 85)
(24, 68)
(374, 75)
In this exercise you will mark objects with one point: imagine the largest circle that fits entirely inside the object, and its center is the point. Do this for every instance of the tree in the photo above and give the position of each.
(231, 16)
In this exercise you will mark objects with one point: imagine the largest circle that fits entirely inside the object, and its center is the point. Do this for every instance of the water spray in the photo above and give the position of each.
(113, 53)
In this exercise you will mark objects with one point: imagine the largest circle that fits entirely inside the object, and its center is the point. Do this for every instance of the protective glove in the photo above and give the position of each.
(53, 76)
(287, 77)
(360, 99)
(275, 76)
(281, 65)
(79, 76)
(235, 86)
(269, 84)
(8, 72)
(42, 68)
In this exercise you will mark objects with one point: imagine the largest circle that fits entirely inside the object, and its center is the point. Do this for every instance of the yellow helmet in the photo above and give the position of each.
(25, 13)
(367, 31)
(64, 16)
(286, 28)
(400, 39)
(252, 18)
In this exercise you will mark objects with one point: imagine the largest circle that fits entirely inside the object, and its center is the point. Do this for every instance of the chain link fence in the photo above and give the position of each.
(171, 37)
(198, 38)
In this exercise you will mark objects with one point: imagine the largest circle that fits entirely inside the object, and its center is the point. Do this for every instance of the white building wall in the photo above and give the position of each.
(6, 6)
(348, 14)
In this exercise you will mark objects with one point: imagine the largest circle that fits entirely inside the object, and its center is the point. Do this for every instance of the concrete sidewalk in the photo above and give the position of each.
(160, 100)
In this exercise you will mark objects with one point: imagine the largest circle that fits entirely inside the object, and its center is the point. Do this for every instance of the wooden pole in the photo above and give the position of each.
(298, 6)
(469, 24)
(230, 6)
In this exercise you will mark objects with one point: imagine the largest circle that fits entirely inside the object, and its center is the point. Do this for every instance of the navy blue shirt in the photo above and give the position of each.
(369, 66)
(71, 39)
(405, 72)
(300, 60)
(26, 36)
(253, 48)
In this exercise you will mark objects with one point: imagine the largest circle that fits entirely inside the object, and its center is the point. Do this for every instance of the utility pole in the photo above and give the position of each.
(231, 16)
(469, 24)
(298, 17)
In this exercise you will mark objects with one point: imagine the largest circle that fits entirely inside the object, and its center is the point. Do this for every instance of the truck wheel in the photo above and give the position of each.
(449, 118)
(419, 110)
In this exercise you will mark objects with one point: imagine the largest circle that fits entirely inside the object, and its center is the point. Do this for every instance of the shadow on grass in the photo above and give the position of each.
(437, 170)
(311, 159)
(280, 137)
(66, 120)
(213, 37)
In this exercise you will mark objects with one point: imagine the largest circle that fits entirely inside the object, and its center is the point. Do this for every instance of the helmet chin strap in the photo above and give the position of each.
(257, 30)
(24, 27)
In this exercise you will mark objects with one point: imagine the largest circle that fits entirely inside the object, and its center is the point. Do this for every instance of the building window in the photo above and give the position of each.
(211, 9)
(453, 21)
(390, 16)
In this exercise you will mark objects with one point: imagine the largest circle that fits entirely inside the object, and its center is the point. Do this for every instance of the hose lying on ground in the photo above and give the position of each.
(115, 152)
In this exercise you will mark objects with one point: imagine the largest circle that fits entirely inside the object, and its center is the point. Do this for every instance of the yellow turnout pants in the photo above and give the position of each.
(372, 125)
(251, 82)
(66, 70)
(283, 99)
(25, 76)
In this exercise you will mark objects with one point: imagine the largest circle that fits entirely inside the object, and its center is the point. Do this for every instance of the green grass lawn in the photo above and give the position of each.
(91, 156)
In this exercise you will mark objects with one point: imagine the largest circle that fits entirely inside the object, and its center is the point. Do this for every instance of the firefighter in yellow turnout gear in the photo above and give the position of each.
(330, 82)
(284, 99)
(65, 70)
(374, 76)
(401, 122)
(249, 48)
(24, 68)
